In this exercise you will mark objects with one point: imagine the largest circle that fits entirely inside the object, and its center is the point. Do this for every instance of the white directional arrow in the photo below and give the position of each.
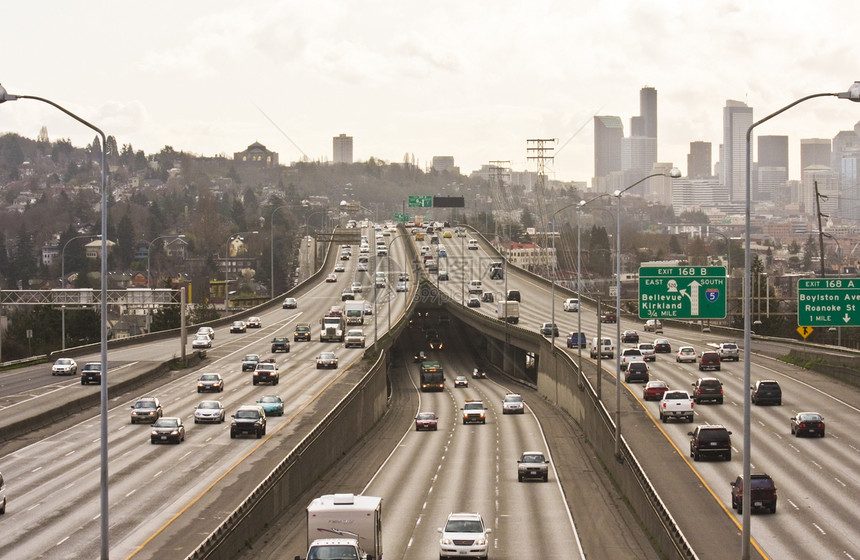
(693, 296)
(847, 318)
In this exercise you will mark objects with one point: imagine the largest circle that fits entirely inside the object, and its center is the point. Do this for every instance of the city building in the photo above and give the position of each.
(814, 151)
(342, 149)
(737, 118)
(699, 160)
(256, 154)
(443, 163)
(608, 133)
(772, 169)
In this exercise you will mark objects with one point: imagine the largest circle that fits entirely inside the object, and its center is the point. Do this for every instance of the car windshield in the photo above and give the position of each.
(144, 404)
(166, 423)
(64, 362)
(464, 526)
(426, 416)
(513, 398)
(209, 378)
(209, 404)
(327, 356)
(533, 459)
(302, 329)
(474, 406)
(247, 414)
(332, 552)
(270, 400)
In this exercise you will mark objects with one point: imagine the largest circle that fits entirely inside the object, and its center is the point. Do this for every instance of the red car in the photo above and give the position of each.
(654, 390)
(426, 421)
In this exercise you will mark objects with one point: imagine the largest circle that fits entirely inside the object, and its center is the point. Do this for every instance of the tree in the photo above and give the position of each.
(675, 246)
(125, 241)
(810, 249)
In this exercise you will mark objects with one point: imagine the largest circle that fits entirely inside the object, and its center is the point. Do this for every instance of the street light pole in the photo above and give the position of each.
(4, 96)
(673, 173)
(63, 286)
(853, 94)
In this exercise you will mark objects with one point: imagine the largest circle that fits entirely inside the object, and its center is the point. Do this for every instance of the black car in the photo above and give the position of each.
(766, 391)
(280, 344)
(710, 440)
(91, 373)
(167, 429)
(762, 493)
(807, 424)
(637, 371)
(249, 419)
(708, 389)
(630, 337)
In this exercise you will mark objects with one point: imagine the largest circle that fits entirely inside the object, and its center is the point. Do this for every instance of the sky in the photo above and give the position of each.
(470, 79)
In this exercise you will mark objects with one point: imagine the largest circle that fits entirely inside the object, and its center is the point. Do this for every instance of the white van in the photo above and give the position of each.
(473, 244)
(606, 347)
(475, 287)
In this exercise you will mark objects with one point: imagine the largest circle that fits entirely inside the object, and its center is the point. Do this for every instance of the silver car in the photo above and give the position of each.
(532, 464)
(64, 366)
(209, 411)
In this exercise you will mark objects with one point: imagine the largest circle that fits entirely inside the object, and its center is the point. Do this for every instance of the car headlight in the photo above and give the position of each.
(446, 540)
(481, 541)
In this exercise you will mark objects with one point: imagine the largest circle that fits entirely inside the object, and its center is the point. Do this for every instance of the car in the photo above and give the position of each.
(403, 277)
(710, 440)
(280, 344)
(254, 323)
(442, 275)
(238, 327)
(209, 411)
(401, 287)
(332, 277)
(479, 373)
(709, 360)
(575, 339)
(686, 354)
(532, 464)
(653, 325)
(461, 381)
(706, 328)
(549, 329)
(327, 360)
(807, 424)
(762, 493)
(629, 355)
(601, 348)
(368, 309)
(290, 303)
(708, 389)
(649, 353)
(464, 536)
(146, 410)
(766, 391)
(91, 372)
(354, 338)
(473, 302)
(302, 331)
(339, 267)
(167, 429)
(435, 343)
(345, 256)
(347, 294)
(64, 366)
(419, 356)
(442, 254)
(362, 267)
(608, 317)
(2, 494)
(208, 331)
(662, 346)
(637, 370)
(201, 341)
(571, 304)
(249, 362)
(728, 351)
(272, 405)
(514, 295)
(357, 288)
(447, 235)
(266, 372)
(488, 297)
(630, 337)
(380, 283)
(513, 404)
(426, 421)
(474, 412)
(654, 390)
(210, 382)
(249, 419)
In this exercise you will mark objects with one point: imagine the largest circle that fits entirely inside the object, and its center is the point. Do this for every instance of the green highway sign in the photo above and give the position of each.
(420, 201)
(401, 217)
(682, 292)
(828, 302)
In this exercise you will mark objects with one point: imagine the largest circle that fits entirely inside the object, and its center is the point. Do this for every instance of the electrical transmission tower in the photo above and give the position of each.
(500, 175)
(538, 150)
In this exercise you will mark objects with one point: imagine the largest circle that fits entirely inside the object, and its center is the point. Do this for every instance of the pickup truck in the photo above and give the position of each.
(630, 355)
(266, 372)
(676, 404)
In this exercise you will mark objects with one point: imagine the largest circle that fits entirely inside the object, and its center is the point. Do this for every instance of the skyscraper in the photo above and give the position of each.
(737, 118)
(814, 151)
(699, 160)
(646, 123)
(342, 148)
(772, 170)
(608, 132)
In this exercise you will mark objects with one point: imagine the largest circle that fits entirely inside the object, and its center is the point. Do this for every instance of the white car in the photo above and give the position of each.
(356, 287)
(64, 366)
(208, 331)
(201, 341)
(649, 353)
(571, 304)
(464, 536)
(686, 354)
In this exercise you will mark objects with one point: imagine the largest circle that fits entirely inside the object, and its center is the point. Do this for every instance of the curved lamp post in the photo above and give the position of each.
(227, 268)
(674, 173)
(853, 94)
(63, 280)
(5, 96)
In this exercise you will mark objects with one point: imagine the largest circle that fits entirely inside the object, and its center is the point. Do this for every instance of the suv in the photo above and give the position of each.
(354, 337)
(302, 332)
(92, 372)
(549, 329)
(249, 362)
(464, 535)
(653, 325)
(280, 344)
(728, 351)
(762, 493)
(532, 464)
(146, 409)
(576, 340)
(766, 391)
(474, 413)
(514, 295)
(629, 355)
(708, 389)
(571, 304)
(637, 371)
(513, 404)
(710, 439)
(266, 372)
(249, 419)
(649, 353)
(709, 360)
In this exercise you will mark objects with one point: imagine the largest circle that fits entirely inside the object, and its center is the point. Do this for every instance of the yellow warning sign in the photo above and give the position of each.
(805, 331)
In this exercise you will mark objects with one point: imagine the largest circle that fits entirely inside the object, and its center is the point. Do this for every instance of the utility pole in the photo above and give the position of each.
(538, 149)
(818, 198)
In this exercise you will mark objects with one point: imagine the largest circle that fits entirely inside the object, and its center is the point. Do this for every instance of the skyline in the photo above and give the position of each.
(469, 81)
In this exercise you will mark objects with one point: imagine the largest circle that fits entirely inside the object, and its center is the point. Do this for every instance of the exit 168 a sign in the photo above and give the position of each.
(682, 292)
(828, 302)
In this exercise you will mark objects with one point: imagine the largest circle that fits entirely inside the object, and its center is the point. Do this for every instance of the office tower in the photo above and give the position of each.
(342, 148)
(646, 123)
(699, 160)
(772, 169)
(814, 151)
(737, 118)
(443, 163)
(608, 132)
(638, 156)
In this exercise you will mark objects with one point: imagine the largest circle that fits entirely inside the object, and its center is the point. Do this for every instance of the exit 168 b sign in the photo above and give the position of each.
(682, 292)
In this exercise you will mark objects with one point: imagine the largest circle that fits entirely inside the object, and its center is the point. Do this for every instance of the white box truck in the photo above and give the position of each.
(508, 311)
(342, 524)
(354, 311)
